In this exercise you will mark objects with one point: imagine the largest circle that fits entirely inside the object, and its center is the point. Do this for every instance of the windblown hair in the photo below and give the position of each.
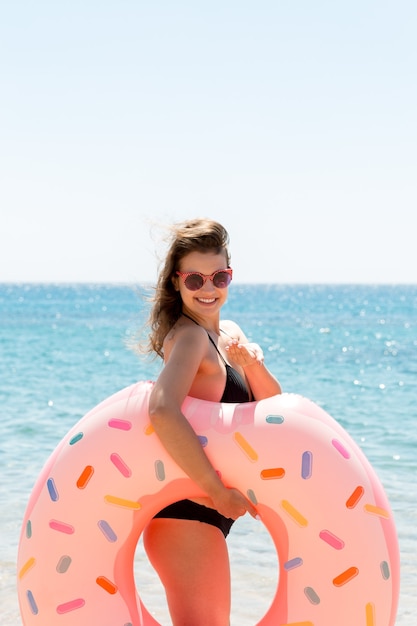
(197, 235)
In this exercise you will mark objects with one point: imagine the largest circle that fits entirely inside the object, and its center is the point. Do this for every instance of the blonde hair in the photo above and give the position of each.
(197, 235)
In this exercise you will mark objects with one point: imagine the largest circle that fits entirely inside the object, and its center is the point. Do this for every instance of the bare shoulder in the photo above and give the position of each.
(233, 330)
(185, 334)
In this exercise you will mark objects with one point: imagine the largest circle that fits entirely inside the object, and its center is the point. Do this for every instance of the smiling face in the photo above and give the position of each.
(209, 299)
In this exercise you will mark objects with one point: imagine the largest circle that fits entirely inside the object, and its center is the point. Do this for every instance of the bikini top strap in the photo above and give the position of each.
(218, 351)
(212, 341)
(190, 318)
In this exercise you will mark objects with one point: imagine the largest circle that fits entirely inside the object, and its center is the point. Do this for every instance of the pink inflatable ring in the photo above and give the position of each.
(317, 495)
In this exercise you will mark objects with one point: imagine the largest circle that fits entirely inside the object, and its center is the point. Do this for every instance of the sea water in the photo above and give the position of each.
(351, 349)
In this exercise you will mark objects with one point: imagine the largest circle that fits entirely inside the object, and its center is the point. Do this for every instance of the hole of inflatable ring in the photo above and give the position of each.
(254, 571)
(254, 568)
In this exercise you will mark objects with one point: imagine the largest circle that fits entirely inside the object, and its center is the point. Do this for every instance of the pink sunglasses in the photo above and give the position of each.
(194, 280)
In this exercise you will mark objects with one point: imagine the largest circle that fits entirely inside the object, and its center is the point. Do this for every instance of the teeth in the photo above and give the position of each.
(207, 300)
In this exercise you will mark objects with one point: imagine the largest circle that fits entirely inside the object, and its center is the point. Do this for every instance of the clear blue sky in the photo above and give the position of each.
(291, 121)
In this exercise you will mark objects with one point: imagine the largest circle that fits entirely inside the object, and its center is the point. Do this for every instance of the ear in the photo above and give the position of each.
(175, 282)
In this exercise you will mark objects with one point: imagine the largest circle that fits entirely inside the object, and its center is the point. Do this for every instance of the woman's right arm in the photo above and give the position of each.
(175, 432)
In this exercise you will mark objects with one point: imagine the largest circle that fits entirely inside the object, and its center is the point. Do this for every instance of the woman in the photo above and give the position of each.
(212, 360)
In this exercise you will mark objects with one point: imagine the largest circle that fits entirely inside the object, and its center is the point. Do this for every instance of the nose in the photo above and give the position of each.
(208, 285)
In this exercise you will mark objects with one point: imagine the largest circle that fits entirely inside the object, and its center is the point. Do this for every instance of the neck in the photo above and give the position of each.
(206, 327)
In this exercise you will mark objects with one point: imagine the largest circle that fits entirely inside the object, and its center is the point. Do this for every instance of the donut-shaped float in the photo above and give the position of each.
(316, 493)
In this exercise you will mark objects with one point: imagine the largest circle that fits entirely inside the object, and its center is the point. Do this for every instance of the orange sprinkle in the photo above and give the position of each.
(292, 511)
(85, 476)
(354, 498)
(345, 576)
(273, 472)
(370, 614)
(376, 510)
(126, 504)
(27, 566)
(106, 584)
(149, 430)
(246, 447)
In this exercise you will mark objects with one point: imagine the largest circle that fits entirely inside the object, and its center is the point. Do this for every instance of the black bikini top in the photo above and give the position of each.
(235, 389)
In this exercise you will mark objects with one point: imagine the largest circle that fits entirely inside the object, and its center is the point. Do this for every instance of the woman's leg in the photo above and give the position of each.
(192, 561)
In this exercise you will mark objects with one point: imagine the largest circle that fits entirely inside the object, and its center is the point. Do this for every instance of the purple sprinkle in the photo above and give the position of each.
(306, 465)
(293, 563)
(32, 603)
(53, 492)
(107, 530)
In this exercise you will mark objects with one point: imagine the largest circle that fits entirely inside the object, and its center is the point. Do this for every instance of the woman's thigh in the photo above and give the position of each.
(192, 561)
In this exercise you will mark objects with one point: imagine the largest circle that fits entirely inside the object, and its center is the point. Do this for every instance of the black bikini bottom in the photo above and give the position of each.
(187, 509)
